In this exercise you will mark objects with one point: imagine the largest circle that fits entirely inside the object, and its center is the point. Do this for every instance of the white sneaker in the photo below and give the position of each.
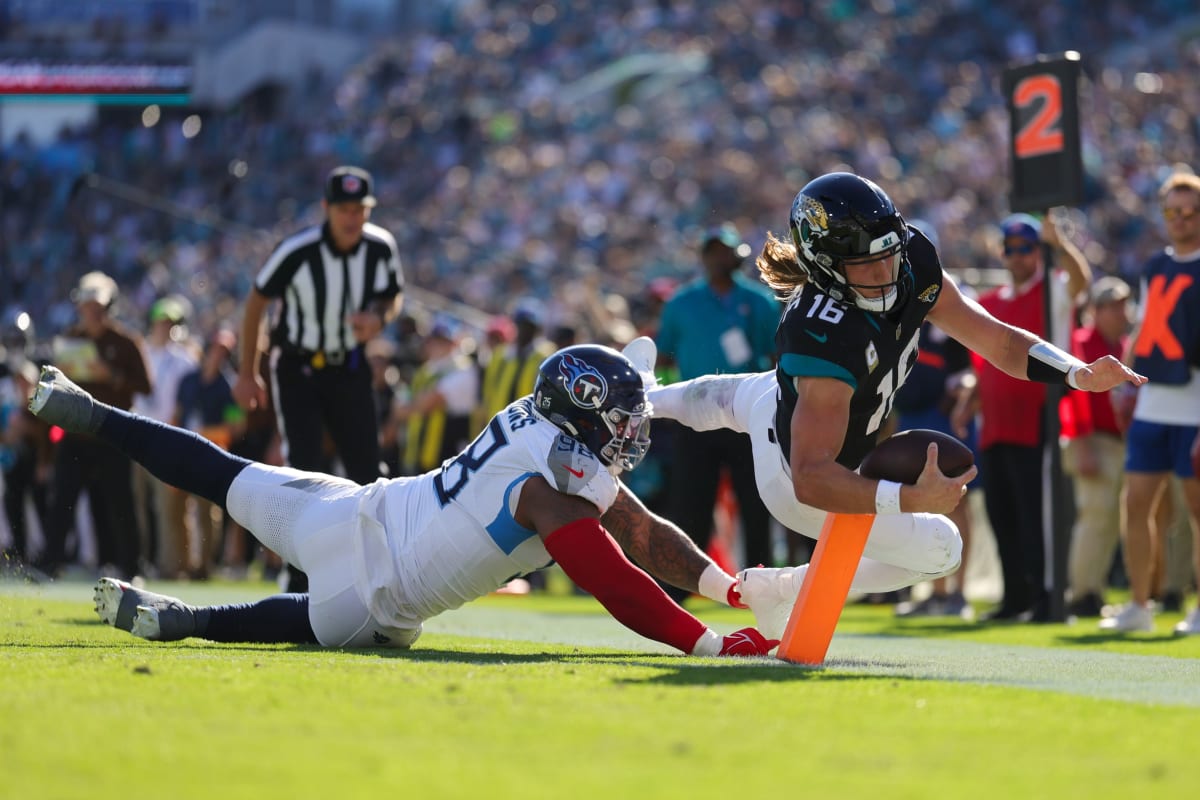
(1131, 618)
(771, 594)
(1190, 625)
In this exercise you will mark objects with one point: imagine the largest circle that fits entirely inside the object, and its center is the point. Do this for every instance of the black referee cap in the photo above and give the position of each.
(349, 185)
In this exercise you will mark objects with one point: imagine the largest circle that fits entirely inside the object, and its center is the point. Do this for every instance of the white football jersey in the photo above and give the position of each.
(431, 543)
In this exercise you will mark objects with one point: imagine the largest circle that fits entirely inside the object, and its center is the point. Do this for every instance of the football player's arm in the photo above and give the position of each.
(661, 548)
(818, 428)
(571, 532)
(1019, 352)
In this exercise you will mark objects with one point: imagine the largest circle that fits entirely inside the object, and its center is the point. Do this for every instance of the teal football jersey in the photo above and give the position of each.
(873, 353)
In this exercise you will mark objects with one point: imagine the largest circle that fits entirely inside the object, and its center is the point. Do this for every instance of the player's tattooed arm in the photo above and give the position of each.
(659, 546)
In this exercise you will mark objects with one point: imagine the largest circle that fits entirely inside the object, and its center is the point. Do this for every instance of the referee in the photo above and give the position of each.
(339, 284)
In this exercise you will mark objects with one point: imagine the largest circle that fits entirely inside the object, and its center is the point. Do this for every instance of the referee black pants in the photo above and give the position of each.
(337, 399)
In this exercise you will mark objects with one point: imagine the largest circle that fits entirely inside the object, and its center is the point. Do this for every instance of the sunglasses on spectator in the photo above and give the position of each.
(1022, 249)
(1170, 212)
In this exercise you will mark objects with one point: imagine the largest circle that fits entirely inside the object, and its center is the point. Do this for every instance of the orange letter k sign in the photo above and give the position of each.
(1161, 298)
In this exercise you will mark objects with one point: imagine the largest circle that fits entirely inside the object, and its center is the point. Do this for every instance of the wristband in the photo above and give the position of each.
(1047, 364)
(715, 584)
(709, 644)
(887, 497)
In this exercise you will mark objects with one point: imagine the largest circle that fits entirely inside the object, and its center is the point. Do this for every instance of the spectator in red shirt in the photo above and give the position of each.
(1094, 452)
(1011, 433)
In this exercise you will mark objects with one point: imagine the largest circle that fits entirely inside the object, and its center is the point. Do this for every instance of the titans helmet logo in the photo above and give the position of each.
(585, 384)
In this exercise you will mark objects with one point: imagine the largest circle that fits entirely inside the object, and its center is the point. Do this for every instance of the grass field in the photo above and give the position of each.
(548, 697)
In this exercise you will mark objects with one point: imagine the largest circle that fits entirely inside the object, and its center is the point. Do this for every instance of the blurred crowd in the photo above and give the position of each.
(578, 150)
(560, 163)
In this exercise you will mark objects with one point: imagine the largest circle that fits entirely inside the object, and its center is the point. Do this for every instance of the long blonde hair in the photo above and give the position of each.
(779, 265)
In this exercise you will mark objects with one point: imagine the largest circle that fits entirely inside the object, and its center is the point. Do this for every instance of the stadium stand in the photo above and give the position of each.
(521, 151)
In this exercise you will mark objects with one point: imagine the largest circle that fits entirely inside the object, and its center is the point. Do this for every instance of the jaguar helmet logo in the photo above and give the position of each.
(585, 385)
(814, 212)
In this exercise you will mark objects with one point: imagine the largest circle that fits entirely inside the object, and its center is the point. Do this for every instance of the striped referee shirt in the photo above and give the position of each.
(320, 287)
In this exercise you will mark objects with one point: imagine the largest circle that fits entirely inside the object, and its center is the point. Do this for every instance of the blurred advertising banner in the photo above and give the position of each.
(95, 80)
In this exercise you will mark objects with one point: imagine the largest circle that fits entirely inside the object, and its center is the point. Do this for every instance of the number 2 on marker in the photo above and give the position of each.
(1042, 133)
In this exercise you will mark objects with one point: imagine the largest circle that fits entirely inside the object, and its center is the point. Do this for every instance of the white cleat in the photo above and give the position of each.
(643, 353)
(771, 594)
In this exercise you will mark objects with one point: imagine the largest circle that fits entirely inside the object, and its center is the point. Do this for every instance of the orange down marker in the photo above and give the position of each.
(826, 586)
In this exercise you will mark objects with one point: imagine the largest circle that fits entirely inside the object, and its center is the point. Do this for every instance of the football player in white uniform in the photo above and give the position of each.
(539, 484)
(859, 282)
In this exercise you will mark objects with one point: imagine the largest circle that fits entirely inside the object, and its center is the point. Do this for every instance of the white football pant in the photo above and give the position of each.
(903, 549)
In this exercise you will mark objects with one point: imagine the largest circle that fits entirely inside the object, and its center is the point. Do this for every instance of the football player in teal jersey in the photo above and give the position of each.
(858, 282)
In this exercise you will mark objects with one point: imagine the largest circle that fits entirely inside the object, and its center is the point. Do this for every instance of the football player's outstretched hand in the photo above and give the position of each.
(747, 642)
(1104, 374)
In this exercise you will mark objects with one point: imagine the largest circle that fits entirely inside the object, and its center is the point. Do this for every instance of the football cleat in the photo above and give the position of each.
(148, 615)
(771, 594)
(643, 354)
(60, 401)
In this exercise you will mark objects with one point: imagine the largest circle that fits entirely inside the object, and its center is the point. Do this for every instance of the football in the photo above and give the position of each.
(901, 457)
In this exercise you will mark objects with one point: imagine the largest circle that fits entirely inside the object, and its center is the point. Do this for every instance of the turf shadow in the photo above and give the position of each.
(459, 657)
(77, 622)
(1100, 637)
(733, 672)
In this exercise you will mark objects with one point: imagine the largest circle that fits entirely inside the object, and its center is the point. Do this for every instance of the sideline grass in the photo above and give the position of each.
(89, 710)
